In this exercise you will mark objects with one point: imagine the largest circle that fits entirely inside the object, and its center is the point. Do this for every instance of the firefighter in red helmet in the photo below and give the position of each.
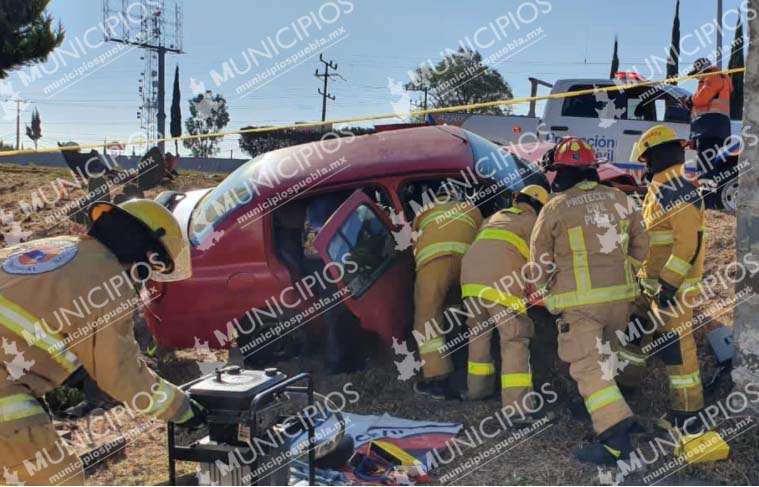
(586, 242)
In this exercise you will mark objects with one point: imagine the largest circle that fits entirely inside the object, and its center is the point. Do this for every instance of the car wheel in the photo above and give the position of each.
(265, 346)
(728, 196)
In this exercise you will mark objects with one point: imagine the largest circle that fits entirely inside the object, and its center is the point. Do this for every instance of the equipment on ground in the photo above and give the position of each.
(252, 416)
(702, 448)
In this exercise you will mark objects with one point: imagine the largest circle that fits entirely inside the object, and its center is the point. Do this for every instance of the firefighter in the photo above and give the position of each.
(710, 113)
(447, 227)
(673, 212)
(493, 285)
(65, 309)
(583, 246)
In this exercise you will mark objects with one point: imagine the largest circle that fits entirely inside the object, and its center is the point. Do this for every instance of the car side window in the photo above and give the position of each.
(591, 105)
(365, 241)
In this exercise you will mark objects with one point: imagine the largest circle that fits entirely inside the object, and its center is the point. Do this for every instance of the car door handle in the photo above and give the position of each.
(559, 128)
(632, 132)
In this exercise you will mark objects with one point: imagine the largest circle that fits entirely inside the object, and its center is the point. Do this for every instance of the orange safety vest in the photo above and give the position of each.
(713, 95)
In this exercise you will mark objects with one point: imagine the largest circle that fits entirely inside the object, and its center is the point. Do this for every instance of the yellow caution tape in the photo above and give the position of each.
(368, 118)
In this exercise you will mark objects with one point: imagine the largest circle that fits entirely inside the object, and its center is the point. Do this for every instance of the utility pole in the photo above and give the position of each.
(326, 75)
(18, 124)
(424, 88)
(159, 32)
(719, 34)
(746, 363)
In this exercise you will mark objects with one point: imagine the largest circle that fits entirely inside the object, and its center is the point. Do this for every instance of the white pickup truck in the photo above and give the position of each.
(611, 122)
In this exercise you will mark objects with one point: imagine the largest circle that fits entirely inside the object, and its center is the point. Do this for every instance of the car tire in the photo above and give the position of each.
(728, 196)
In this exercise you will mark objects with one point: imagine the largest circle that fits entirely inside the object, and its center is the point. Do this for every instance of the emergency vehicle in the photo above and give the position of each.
(610, 121)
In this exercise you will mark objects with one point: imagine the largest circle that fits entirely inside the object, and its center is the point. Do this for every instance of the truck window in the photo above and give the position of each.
(652, 104)
(590, 105)
(365, 240)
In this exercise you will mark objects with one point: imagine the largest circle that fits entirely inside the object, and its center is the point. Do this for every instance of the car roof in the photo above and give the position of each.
(380, 155)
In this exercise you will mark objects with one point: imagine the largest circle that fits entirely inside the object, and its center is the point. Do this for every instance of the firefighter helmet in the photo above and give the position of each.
(574, 152)
(656, 135)
(536, 192)
(162, 226)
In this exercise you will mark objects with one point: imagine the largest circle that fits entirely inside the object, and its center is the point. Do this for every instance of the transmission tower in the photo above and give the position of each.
(155, 26)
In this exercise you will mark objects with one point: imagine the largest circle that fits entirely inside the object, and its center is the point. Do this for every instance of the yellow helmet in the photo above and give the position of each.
(164, 227)
(536, 192)
(656, 135)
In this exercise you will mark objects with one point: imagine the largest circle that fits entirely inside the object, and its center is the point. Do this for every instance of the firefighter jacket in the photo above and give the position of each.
(493, 267)
(585, 243)
(711, 106)
(445, 229)
(65, 303)
(673, 212)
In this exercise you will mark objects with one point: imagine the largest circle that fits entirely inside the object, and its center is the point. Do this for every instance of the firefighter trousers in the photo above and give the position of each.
(667, 334)
(515, 331)
(35, 455)
(584, 335)
(434, 281)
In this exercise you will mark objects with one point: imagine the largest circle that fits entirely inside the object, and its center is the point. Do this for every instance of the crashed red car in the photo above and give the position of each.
(246, 233)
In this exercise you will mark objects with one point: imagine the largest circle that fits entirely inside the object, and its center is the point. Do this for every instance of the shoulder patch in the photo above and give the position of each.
(40, 257)
(678, 191)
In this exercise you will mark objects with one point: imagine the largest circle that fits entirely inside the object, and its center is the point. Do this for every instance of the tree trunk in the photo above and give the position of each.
(746, 364)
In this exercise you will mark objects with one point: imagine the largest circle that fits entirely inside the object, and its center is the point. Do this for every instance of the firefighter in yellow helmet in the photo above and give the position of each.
(65, 306)
(446, 226)
(494, 287)
(584, 244)
(673, 212)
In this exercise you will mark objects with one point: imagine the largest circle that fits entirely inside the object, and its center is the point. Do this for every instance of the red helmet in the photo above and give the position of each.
(574, 152)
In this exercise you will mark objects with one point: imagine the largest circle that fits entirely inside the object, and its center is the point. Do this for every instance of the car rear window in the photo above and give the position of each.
(496, 163)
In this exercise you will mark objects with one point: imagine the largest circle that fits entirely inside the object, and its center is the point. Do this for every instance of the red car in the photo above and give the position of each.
(248, 238)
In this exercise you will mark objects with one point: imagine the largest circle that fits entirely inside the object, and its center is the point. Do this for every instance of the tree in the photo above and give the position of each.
(673, 61)
(176, 112)
(26, 33)
(614, 60)
(34, 131)
(208, 114)
(746, 327)
(261, 142)
(461, 79)
(737, 60)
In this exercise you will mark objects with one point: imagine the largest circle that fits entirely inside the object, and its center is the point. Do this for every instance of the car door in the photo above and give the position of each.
(372, 265)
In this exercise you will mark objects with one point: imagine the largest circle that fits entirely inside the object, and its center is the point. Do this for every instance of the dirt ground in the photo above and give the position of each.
(544, 459)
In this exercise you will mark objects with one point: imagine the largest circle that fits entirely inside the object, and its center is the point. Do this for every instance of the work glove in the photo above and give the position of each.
(198, 418)
(666, 296)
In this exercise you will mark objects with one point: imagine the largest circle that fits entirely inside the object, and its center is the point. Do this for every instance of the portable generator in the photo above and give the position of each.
(252, 415)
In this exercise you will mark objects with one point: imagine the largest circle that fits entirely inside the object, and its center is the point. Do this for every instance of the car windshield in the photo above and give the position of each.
(236, 190)
(491, 161)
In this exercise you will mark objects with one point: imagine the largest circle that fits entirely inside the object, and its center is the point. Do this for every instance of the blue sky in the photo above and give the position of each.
(379, 40)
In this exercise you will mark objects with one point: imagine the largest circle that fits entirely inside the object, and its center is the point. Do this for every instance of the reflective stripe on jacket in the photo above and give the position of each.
(588, 235)
(76, 314)
(712, 95)
(493, 267)
(673, 212)
(446, 229)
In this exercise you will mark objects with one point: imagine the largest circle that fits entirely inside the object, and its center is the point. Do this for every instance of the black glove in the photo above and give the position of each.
(666, 296)
(198, 418)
